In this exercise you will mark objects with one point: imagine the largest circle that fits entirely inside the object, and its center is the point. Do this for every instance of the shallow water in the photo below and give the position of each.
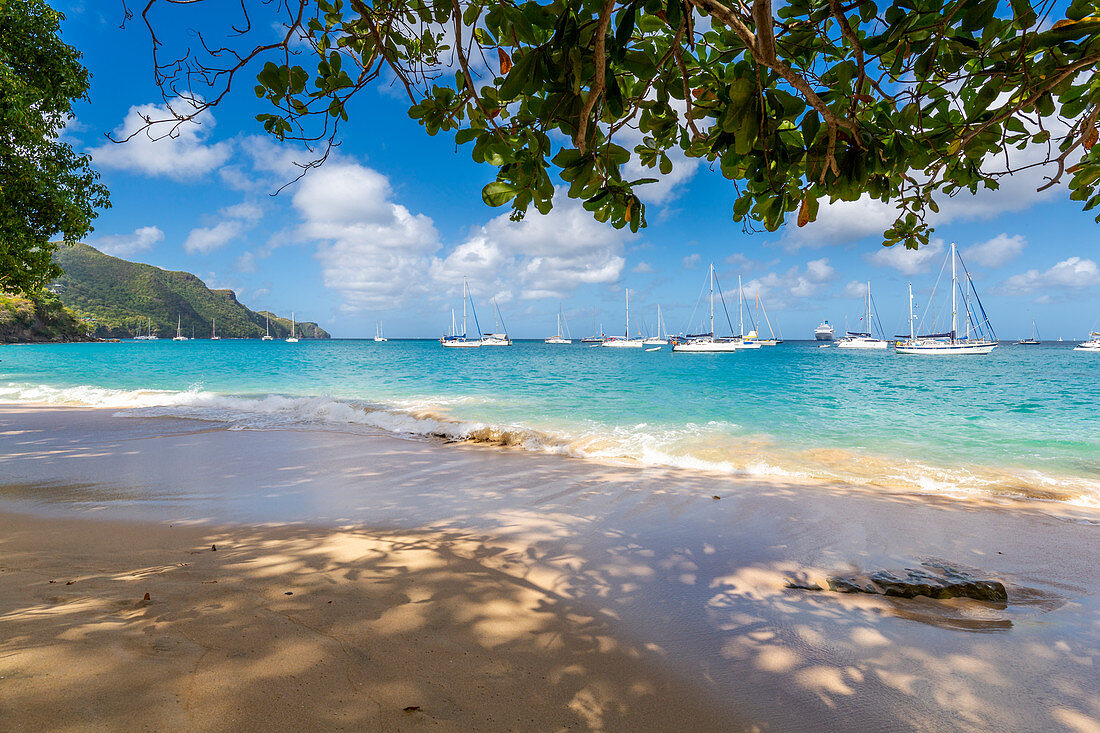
(1020, 422)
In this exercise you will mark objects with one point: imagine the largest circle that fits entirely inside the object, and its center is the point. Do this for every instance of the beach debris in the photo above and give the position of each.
(411, 708)
(933, 580)
(716, 497)
(70, 582)
(289, 593)
(146, 598)
(213, 548)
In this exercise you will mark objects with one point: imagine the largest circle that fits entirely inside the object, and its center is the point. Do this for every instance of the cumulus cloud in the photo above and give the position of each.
(841, 222)
(855, 289)
(691, 261)
(1074, 273)
(541, 256)
(909, 261)
(207, 239)
(179, 151)
(123, 245)
(996, 252)
(781, 290)
(643, 268)
(372, 250)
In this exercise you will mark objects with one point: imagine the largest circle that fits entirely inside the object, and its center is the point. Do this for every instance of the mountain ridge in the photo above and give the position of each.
(118, 298)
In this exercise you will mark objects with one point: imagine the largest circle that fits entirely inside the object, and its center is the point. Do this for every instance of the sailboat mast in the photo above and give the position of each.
(868, 323)
(912, 333)
(454, 327)
(465, 294)
(954, 294)
(711, 275)
(660, 323)
(628, 313)
(740, 308)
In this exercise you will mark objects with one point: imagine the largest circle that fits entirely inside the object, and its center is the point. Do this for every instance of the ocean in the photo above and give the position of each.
(1020, 423)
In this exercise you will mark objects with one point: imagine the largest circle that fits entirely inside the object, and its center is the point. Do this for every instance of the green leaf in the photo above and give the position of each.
(498, 193)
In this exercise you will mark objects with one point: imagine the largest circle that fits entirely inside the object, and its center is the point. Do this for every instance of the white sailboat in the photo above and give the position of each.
(179, 330)
(378, 336)
(598, 336)
(754, 336)
(745, 343)
(625, 342)
(708, 343)
(498, 337)
(661, 339)
(214, 330)
(267, 330)
(457, 340)
(978, 338)
(292, 339)
(1093, 343)
(559, 337)
(863, 339)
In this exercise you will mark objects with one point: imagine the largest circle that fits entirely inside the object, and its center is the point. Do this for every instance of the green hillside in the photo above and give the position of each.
(39, 318)
(118, 299)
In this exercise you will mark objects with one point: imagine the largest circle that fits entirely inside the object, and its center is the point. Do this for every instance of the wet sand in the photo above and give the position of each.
(500, 590)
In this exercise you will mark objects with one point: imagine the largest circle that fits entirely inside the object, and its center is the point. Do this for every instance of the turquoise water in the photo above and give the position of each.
(1020, 422)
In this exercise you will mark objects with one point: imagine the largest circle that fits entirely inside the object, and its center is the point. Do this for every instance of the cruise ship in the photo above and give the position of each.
(824, 332)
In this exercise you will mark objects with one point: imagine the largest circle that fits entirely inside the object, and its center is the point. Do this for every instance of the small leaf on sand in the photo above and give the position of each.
(289, 593)
(146, 597)
(716, 497)
(70, 582)
(411, 708)
(213, 548)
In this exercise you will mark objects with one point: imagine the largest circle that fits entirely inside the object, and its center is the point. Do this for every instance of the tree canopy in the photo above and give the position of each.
(907, 101)
(46, 189)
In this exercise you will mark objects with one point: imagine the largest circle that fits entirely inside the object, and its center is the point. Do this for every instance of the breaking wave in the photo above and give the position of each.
(714, 447)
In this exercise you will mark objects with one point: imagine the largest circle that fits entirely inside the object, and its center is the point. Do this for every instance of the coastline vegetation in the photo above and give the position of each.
(38, 317)
(121, 299)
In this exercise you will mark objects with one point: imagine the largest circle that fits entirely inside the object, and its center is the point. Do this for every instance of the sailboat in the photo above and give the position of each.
(497, 338)
(1093, 344)
(1033, 340)
(378, 337)
(292, 338)
(661, 339)
(214, 330)
(456, 340)
(598, 336)
(267, 330)
(745, 343)
(559, 337)
(978, 338)
(754, 335)
(707, 343)
(863, 339)
(179, 331)
(625, 342)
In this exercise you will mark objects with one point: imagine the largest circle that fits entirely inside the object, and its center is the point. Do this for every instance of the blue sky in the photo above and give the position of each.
(386, 230)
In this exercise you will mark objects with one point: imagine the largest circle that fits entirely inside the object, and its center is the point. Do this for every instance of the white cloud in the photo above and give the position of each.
(164, 149)
(122, 245)
(855, 289)
(841, 222)
(782, 289)
(996, 252)
(1075, 273)
(643, 268)
(541, 256)
(691, 261)
(207, 239)
(374, 252)
(819, 271)
(909, 261)
(246, 211)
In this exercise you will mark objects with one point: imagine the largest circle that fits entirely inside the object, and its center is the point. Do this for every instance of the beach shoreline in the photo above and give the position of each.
(682, 575)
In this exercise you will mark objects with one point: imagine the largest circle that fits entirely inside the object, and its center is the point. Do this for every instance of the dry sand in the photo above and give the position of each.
(501, 590)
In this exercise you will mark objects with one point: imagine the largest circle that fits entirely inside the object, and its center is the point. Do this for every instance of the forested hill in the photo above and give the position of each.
(118, 299)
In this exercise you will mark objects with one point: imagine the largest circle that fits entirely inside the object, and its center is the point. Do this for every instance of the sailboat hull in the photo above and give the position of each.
(943, 348)
(623, 343)
(655, 342)
(858, 343)
(557, 340)
(707, 347)
(460, 344)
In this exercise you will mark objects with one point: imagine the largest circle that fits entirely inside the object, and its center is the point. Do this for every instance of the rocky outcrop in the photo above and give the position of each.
(932, 580)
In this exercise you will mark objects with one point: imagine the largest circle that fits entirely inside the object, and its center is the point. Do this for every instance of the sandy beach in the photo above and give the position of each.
(358, 575)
